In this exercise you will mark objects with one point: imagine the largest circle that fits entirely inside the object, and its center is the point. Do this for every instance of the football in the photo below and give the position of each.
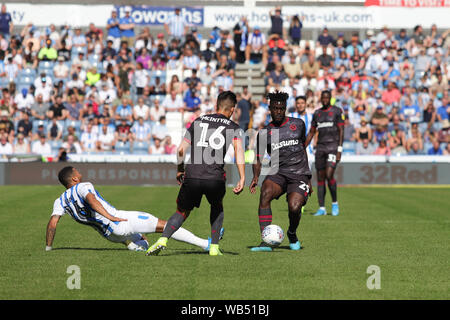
(273, 235)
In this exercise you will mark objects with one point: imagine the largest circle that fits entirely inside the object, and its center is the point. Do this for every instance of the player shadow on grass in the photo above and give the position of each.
(93, 249)
(176, 252)
(279, 247)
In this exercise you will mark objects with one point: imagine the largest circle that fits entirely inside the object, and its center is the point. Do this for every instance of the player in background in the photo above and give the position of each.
(284, 140)
(208, 139)
(328, 121)
(86, 206)
(300, 113)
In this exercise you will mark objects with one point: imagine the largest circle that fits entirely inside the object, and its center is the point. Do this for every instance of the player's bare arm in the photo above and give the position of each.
(97, 206)
(181, 154)
(341, 140)
(310, 136)
(51, 231)
(240, 163)
(256, 173)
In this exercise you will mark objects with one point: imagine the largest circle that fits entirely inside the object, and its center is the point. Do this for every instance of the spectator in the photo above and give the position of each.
(73, 108)
(141, 110)
(124, 111)
(39, 109)
(5, 147)
(255, 50)
(6, 23)
(141, 131)
(71, 145)
(364, 131)
(409, 111)
(25, 126)
(169, 147)
(126, 25)
(391, 94)
(48, 53)
(176, 26)
(293, 68)
(157, 148)
(156, 111)
(172, 102)
(123, 131)
(444, 133)
(276, 22)
(240, 31)
(379, 118)
(447, 150)
(89, 139)
(325, 38)
(415, 138)
(435, 150)
(24, 100)
(364, 147)
(57, 110)
(113, 27)
(243, 110)
(21, 146)
(41, 147)
(190, 61)
(295, 29)
(160, 130)
(383, 149)
(397, 140)
(54, 130)
(106, 140)
(60, 70)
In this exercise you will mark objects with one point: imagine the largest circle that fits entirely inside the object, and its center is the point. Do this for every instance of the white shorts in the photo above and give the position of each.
(136, 224)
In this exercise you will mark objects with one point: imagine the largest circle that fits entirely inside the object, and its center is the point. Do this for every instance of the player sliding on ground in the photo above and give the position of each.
(284, 141)
(208, 139)
(86, 206)
(329, 121)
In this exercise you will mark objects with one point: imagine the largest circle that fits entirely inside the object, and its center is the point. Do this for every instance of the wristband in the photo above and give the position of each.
(339, 149)
(48, 248)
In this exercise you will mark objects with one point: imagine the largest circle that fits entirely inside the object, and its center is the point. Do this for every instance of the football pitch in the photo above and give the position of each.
(402, 231)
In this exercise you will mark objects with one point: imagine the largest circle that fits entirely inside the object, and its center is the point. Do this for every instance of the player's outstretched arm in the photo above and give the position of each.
(240, 163)
(310, 136)
(97, 206)
(51, 230)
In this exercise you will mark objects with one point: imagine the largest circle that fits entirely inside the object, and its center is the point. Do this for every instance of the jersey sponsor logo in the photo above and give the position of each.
(288, 143)
(293, 127)
(325, 125)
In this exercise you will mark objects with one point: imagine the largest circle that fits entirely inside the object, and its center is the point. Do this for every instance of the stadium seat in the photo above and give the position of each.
(140, 148)
(122, 147)
(349, 147)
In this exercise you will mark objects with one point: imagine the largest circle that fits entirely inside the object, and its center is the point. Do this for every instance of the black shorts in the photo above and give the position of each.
(192, 191)
(326, 158)
(291, 183)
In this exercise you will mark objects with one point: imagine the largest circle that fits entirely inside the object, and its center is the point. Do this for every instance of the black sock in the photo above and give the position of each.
(216, 220)
(173, 224)
(332, 185)
(294, 221)
(321, 191)
(265, 217)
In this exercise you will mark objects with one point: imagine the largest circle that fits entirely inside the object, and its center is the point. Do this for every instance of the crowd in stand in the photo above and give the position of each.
(68, 90)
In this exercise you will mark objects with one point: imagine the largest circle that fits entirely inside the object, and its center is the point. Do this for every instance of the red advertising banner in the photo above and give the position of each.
(409, 3)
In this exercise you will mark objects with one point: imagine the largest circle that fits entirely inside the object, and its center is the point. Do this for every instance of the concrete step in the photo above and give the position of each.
(244, 66)
(253, 90)
(246, 82)
(248, 73)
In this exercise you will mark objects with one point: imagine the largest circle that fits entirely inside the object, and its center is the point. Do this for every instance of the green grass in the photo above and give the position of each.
(404, 231)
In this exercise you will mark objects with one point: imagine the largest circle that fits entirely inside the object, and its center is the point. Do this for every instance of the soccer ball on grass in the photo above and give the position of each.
(273, 235)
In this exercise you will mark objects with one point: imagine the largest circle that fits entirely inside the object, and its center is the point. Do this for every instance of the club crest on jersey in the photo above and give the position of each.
(330, 114)
(293, 127)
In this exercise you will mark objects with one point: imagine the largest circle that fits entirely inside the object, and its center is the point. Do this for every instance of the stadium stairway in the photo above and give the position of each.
(174, 123)
(250, 75)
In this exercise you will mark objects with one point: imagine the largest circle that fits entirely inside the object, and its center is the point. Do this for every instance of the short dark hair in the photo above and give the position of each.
(278, 96)
(64, 175)
(300, 97)
(226, 100)
(325, 91)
